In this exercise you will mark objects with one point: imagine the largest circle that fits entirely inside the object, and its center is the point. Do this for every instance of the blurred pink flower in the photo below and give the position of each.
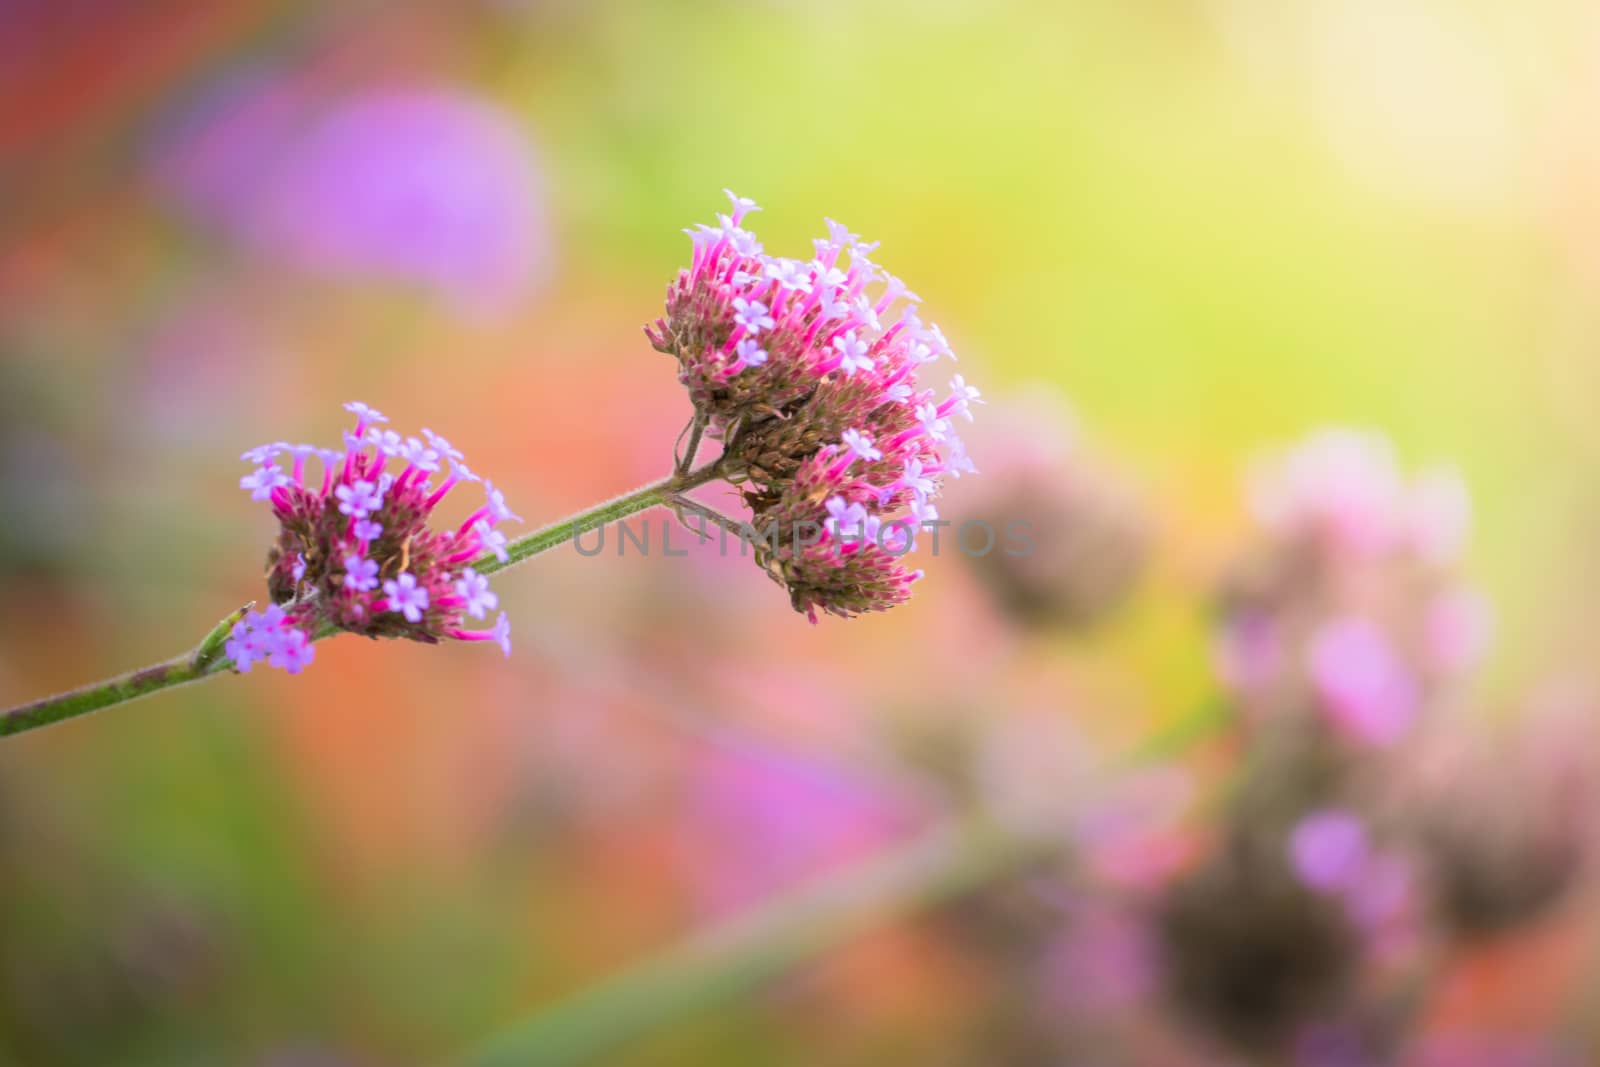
(1345, 487)
(1363, 684)
(1458, 628)
(435, 187)
(1343, 484)
(759, 820)
(1328, 850)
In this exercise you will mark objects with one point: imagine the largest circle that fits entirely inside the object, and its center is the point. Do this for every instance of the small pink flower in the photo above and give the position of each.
(406, 597)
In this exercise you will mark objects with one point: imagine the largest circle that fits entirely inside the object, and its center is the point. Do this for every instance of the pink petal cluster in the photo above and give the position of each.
(1345, 487)
(1353, 604)
(807, 371)
(1364, 684)
(355, 551)
(1328, 850)
(272, 636)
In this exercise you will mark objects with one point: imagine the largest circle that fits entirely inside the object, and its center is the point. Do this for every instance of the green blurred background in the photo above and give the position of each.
(1209, 224)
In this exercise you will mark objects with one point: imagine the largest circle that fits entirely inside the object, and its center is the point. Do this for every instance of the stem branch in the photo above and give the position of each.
(559, 533)
(206, 660)
(203, 661)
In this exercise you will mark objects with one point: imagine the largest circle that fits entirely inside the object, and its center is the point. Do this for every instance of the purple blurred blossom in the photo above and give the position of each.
(1328, 850)
(765, 819)
(1363, 684)
(431, 186)
(1341, 483)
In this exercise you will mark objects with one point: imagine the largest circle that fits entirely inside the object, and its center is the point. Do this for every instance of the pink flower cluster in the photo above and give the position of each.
(1330, 852)
(270, 636)
(810, 381)
(1354, 604)
(355, 551)
(1344, 489)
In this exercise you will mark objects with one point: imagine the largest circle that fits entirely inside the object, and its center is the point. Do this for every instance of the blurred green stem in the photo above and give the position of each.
(206, 659)
(746, 952)
(751, 949)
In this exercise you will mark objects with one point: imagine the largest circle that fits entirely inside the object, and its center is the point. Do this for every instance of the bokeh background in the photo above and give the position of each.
(1186, 231)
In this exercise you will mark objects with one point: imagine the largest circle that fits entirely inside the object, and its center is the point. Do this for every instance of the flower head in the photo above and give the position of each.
(806, 369)
(1351, 605)
(356, 550)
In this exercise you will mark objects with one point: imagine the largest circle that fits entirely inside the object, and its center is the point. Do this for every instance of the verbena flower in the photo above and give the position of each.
(1252, 956)
(807, 372)
(355, 550)
(1503, 814)
(1353, 602)
(1071, 536)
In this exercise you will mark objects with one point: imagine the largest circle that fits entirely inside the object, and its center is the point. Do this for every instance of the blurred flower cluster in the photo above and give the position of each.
(1358, 834)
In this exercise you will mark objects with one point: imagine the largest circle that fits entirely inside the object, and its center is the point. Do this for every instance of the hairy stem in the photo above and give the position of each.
(206, 660)
(727, 522)
(695, 430)
(559, 533)
(203, 661)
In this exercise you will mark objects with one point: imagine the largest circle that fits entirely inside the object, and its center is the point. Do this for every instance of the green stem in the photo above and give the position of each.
(573, 526)
(203, 661)
(207, 661)
(743, 953)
